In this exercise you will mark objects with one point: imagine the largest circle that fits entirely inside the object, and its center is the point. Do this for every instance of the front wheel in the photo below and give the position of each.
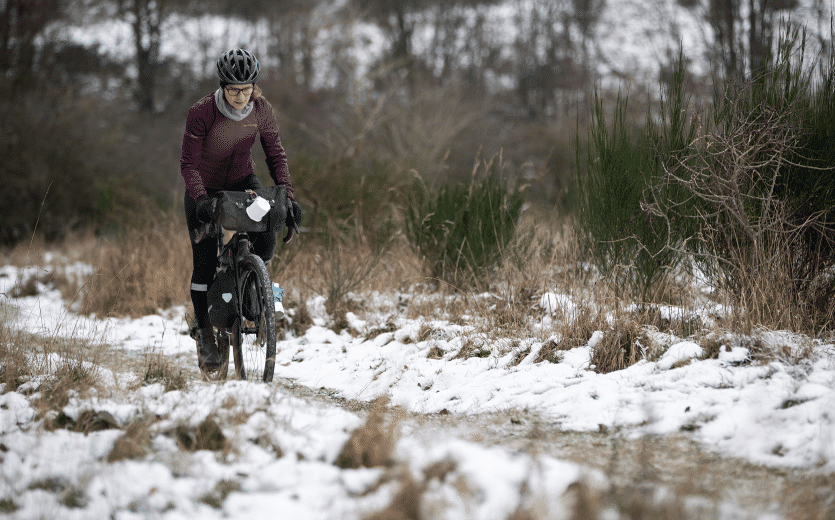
(253, 334)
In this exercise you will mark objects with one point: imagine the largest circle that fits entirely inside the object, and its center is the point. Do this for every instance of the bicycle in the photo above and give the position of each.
(252, 296)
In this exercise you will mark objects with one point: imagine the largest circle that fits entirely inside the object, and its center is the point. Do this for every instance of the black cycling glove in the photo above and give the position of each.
(205, 208)
(293, 219)
(296, 212)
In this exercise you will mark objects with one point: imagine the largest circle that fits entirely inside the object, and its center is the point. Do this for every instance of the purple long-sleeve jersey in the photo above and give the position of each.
(217, 151)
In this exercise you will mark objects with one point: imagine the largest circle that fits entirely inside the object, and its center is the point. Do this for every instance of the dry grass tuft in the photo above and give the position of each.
(473, 347)
(15, 351)
(405, 505)
(29, 286)
(161, 370)
(793, 351)
(443, 302)
(585, 501)
(145, 271)
(636, 502)
(134, 443)
(617, 349)
(95, 421)
(712, 343)
(424, 332)
(218, 495)
(207, 436)
(7, 505)
(522, 514)
(573, 331)
(543, 256)
(812, 500)
(372, 444)
(435, 352)
(310, 264)
(337, 309)
(439, 470)
(301, 319)
(74, 372)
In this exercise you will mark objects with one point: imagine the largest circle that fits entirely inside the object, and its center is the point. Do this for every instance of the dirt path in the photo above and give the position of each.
(634, 466)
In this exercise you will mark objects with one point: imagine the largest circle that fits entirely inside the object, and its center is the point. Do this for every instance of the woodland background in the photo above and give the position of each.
(368, 93)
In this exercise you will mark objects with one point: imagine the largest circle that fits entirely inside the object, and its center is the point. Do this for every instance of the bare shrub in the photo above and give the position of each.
(763, 232)
(372, 444)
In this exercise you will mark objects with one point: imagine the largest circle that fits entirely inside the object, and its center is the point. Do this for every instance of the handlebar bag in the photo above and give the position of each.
(232, 210)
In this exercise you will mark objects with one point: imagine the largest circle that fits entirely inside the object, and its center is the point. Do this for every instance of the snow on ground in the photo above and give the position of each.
(777, 413)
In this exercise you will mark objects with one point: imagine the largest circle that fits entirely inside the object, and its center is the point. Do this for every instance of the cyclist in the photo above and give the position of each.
(217, 155)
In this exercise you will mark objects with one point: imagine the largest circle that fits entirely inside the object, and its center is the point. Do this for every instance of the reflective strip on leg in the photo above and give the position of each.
(202, 287)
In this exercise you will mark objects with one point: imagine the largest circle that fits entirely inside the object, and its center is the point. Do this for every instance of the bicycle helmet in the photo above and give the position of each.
(237, 67)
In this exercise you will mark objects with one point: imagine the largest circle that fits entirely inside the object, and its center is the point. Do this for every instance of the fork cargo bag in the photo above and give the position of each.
(223, 300)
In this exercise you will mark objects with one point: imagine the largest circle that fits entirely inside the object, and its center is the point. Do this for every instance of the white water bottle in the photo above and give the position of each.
(259, 207)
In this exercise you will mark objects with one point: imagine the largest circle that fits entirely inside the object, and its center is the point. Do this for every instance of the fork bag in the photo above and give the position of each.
(223, 300)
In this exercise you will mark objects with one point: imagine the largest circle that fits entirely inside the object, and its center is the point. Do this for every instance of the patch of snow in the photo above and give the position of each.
(678, 353)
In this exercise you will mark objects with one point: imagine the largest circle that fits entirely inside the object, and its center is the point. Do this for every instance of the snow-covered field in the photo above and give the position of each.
(277, 459)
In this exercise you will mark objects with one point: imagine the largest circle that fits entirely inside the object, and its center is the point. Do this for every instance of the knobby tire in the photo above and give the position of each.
(254, 354)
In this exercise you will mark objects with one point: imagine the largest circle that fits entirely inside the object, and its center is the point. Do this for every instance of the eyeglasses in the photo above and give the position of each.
(235, 92)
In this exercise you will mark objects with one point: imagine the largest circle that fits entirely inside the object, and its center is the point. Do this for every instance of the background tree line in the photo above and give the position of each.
(90, 136)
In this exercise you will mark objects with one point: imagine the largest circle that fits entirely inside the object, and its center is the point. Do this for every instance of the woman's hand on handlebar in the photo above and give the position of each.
(205, 208)
(294, 216)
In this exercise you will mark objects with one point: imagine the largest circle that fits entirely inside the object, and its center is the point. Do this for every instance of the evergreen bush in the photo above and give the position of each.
(628, 242)
(460, 230)
(750, 196)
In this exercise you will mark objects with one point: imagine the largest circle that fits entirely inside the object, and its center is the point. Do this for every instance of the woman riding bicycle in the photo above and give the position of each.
(217, 155)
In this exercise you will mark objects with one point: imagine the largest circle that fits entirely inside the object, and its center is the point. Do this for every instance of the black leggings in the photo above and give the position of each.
(204, 254)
